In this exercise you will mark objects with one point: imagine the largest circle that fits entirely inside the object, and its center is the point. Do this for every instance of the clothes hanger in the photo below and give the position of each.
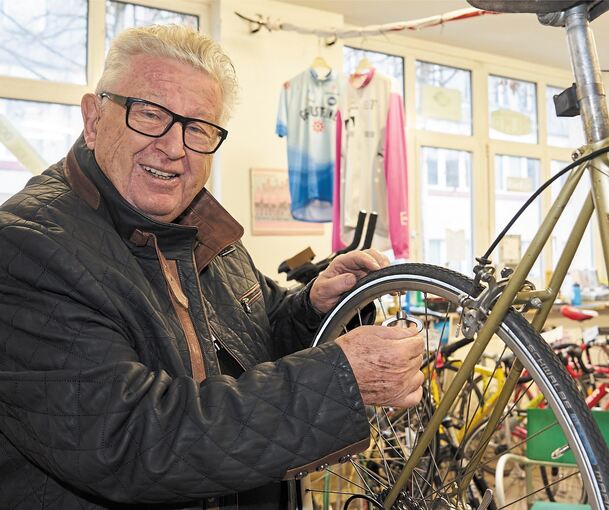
(319, 65)
(363, 66)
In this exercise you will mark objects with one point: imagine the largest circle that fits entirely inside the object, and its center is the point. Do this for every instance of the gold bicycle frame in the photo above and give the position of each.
(593, 108)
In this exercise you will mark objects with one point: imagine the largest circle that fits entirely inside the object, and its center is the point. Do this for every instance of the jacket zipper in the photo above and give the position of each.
(181, 307)
(214, 337)
(250, 297)
(219, 345)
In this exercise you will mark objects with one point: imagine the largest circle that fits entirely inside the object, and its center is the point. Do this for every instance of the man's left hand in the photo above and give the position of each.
(342, 274)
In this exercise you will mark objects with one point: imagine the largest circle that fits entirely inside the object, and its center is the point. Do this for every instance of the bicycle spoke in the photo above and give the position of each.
(382, 308)
(359, 468)
(395, 434)
(342, 477)
(536, 491)
(408, 428)
(382, 450)
(521, 443)
(437, 475)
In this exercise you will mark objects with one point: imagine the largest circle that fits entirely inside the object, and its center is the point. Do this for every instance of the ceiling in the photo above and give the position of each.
(518, 36)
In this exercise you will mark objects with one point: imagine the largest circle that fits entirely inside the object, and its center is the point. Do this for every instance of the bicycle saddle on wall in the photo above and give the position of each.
(537, 6)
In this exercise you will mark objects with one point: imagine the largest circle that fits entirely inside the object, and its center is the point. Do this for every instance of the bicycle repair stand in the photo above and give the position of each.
(301, 268)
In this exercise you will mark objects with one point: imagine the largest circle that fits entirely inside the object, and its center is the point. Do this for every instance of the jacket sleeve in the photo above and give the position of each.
(77, 402)
(396, 177)
(292, 317)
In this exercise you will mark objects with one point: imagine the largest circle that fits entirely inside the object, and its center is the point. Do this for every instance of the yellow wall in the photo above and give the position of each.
(264, 61)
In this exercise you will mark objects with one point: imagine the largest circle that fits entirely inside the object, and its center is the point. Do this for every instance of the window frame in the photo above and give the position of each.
(396, 55)
(479, 144)
(70, 93)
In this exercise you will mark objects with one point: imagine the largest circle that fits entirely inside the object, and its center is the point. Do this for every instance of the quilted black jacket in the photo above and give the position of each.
(109, 320)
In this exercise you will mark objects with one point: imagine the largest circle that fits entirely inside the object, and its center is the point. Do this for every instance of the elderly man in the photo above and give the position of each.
(145, 361)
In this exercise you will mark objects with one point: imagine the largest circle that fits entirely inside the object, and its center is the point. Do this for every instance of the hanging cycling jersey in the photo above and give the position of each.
(307, 116)
(371, 172)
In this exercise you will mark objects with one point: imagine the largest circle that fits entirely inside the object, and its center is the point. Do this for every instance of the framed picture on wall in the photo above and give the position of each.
(270, 199)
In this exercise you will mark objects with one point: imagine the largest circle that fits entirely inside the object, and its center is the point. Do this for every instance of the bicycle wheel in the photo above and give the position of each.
(441, 290)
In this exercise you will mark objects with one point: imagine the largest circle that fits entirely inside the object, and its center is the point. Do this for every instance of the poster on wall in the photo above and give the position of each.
(270, 199)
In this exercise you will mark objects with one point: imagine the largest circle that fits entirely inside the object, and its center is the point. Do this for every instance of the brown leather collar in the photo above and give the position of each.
(216, 228)
(80, 182)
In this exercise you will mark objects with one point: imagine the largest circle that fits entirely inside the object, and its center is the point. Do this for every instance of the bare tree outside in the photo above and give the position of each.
(44, 40)
(120, 15)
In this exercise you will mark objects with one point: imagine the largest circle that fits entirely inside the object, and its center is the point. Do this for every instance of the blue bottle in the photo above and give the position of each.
(576, 296)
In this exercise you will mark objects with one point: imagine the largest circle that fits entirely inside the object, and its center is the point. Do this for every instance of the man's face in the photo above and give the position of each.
(130, 159)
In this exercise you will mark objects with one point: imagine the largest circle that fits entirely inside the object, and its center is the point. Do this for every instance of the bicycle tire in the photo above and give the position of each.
(575, 420)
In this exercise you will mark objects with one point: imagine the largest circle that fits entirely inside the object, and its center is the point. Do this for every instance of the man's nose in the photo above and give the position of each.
(172, 142)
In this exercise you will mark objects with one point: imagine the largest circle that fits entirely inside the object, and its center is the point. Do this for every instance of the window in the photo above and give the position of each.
(29, 145)
(512, 109)
(582, 266)
(516, 177)
(37, 133)
(390, 65)
(444, 99)
(55, 35)
(120, 15)
(452, 173)
(432, 168)
(446, 205)
(562, 131)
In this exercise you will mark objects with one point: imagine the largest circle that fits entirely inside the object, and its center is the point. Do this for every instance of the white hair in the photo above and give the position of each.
(177, 42)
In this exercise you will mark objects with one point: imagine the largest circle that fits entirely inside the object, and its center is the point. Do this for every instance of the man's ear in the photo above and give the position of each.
(90, 107)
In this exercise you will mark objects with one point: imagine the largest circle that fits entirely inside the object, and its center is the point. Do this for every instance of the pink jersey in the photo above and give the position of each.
(370, 172)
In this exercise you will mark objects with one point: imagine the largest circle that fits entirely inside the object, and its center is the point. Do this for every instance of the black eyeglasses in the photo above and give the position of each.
(154, 120)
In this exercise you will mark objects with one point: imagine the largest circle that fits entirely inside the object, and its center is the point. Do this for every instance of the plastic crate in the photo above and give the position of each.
(548, 505)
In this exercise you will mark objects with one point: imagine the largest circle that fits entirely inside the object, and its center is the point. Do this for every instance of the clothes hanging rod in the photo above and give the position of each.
(332, 34)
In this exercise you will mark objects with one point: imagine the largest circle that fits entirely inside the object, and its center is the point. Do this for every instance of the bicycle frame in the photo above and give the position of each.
(483, 409)
(595, 119)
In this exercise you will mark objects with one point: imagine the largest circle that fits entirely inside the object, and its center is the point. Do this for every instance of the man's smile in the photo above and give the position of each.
(159, 173)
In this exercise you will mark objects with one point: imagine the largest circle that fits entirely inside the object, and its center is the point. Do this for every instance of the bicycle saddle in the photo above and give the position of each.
(537, 6)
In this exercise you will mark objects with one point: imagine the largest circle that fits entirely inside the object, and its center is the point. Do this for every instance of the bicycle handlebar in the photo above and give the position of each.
(307, 270)
(357, 235)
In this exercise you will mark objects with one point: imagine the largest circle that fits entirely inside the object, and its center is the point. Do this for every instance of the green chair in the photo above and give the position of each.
(544, 437)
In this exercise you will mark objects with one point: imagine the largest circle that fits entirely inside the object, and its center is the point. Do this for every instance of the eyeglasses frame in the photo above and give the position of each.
(180, 119)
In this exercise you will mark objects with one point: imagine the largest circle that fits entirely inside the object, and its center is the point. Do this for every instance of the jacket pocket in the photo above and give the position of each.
(250, 296)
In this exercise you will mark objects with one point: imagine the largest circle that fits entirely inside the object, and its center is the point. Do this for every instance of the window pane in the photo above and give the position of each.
(516, 178)
(431, 164)
(562, 131)
(447, 202)
(27, 144)
(55, 35)
(444, 99)
(582, 266)
(512, 109)
(120, 16)
(389, 65)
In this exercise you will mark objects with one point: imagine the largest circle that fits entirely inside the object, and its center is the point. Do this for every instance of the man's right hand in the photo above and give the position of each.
(386, 362)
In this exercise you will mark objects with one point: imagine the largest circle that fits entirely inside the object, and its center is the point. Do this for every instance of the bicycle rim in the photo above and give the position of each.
(446, 458)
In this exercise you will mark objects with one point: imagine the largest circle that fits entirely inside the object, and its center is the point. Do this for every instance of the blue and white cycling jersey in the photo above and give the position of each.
(307, 116)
